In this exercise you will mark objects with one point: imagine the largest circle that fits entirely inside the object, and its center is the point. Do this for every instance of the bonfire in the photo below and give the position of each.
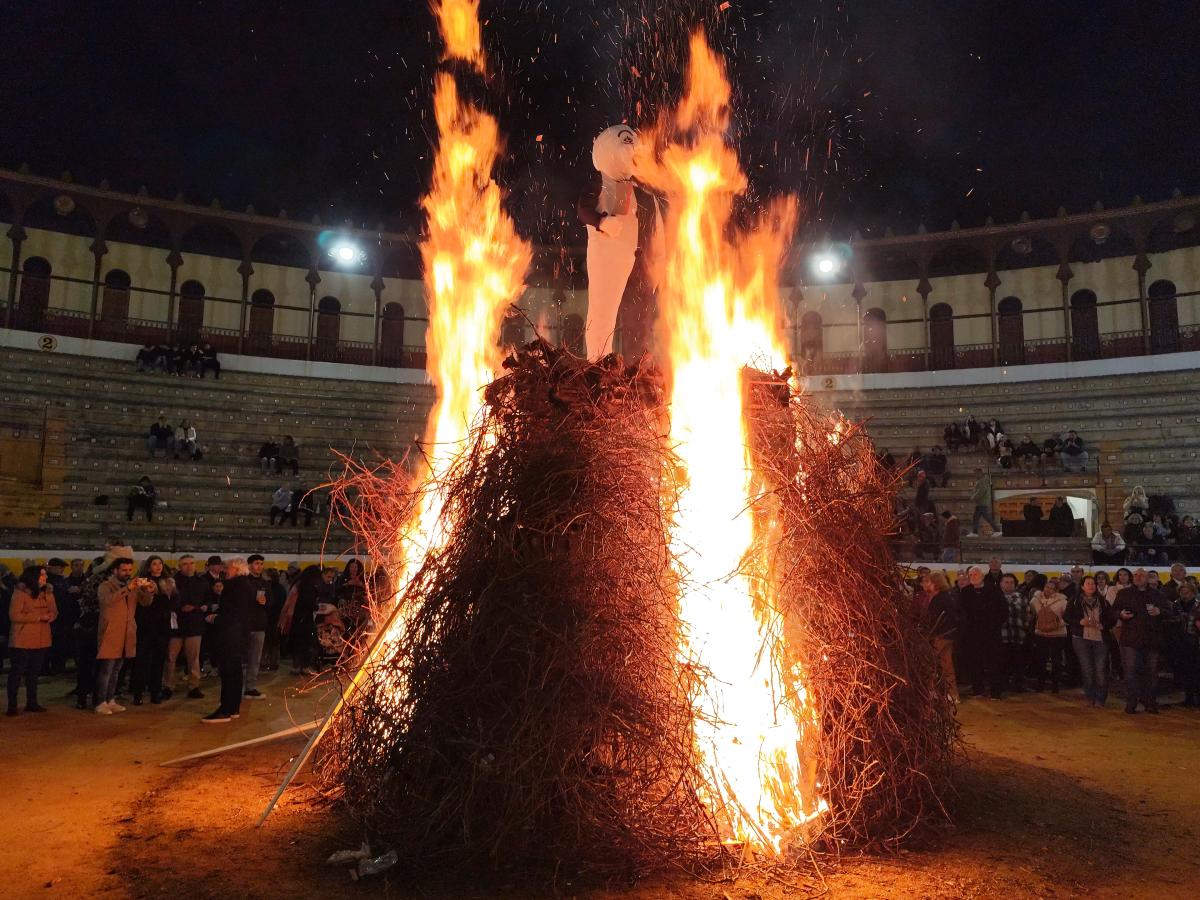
(640, 617)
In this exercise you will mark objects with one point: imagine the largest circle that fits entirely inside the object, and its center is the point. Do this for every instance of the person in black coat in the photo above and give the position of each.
(298, 618)
(1062, 520)
(982, 613)
(153, 633)
(228, 629)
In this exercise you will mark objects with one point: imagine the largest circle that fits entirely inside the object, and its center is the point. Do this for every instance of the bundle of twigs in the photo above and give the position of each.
(887, 741)
(527, 706)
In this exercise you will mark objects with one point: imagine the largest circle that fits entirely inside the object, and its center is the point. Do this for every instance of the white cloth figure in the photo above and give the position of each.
(613, 242)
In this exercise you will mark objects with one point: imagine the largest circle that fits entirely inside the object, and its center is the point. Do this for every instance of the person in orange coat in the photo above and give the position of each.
(119, 596)
(30, 611)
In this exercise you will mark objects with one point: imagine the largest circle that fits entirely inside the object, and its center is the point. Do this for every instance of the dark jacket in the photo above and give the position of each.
(1062, 521)
(981, 611)
(193, 591)
(1074, 614)
(1143, 631)
(941, 615)
(233, 616)
(256, 615)
(154, 619)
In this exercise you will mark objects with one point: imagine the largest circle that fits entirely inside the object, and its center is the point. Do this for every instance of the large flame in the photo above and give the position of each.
(474, 268)
(719, 314)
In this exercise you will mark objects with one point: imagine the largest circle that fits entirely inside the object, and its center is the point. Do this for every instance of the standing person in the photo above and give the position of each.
(982, 613)
(276, 597)
(1088, 616)
(88, 623)
(298, 619)
(228, 630)
(214, 575)
(119, 596)
(981, 498)
(1062, 520)
(941, 617)
(1048, 607)
(31, 610)
(256, 626)
(190, 607)
(61, 632)
(951, 538)
(1014, 635)
(153, 632)
(1189, 658)
(1140, 613)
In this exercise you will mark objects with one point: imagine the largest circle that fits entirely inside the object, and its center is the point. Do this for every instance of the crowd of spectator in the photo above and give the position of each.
(131, 629)
(1000, 633)
(181, 438)
(194, 360)
(1061, 451)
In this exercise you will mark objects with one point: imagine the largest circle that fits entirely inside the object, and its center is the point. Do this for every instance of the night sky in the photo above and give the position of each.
(877, 112)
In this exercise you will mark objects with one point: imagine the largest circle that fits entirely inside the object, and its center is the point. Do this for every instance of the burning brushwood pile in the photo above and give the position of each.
(639, 619)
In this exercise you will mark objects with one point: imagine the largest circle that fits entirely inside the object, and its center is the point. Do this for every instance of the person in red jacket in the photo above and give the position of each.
(30, 612)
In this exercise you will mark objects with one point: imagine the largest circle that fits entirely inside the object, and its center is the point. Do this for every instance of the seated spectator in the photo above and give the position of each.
(1161, 531)
(1188, 612)
(1050, 450)
(147, 358)
(1027, 454)
(1004, 452)
(937, 466)
(1108, 547)
(974, 432)
(209, 362)
(303, 501)
(162, 356)
(1187, 541)
(171, 357)
(993, 434)
(1073, 457)
(189, 361)
(281, 504)
(953, 437)
(1137, 502)
(951, 538)
(268, 456)
(185, 440)
(1062, 520)
(141, 496)
(289, 455)
(1148, 549)
(161, 437)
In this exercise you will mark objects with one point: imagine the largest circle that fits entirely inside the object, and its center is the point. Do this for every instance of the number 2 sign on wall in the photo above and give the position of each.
(48, 342)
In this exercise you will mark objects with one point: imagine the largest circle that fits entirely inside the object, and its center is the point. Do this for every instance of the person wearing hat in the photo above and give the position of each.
(256, 626)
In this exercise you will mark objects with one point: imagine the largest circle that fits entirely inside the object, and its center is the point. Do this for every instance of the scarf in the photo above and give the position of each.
(1091, 615)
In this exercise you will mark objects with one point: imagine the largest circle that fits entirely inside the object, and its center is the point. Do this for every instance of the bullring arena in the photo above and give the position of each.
(338, 562)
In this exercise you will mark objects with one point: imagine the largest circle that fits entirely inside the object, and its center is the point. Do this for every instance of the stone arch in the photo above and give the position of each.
(34, 296)
(329, 328)
(875, 340)
(191, 311)
(260, 331)
(1085, 325)
(941, 336)
(114, 303)
(1164, 316)
(1011, 322)
(391, 334)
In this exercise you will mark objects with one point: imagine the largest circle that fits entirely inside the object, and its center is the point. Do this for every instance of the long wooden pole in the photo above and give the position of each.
(295, 729)
(331, 715)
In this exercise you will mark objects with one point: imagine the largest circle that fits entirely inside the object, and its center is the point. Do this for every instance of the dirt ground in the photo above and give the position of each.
(1058, 801)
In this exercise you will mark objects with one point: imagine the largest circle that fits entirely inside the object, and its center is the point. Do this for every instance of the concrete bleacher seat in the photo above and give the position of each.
(103, 408)
(1139, 429)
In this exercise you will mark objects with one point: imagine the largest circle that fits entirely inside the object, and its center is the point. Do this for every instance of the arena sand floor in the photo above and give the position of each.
(1058, 800)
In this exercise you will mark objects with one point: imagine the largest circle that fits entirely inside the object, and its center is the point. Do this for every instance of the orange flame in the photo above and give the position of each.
(720, 313)
(474, 269)
(458, 20)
